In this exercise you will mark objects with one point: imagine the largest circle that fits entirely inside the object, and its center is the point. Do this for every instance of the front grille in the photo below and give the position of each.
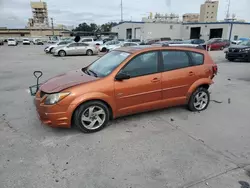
(234, 50)
(42, 94)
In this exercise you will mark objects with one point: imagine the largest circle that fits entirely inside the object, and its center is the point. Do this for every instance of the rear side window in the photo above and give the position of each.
(87, 40)
(173, 60)
(197, 58)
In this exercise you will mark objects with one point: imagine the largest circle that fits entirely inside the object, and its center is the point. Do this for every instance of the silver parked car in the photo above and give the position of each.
(76, 49)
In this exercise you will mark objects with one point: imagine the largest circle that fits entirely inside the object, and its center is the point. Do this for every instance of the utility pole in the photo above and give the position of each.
(52, 24)
(121, 11)
(228, 10)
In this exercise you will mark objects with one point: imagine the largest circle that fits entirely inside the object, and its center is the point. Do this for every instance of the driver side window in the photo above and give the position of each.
(143, 64)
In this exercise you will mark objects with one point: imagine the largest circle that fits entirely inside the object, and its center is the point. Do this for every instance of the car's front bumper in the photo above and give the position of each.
(53, 115)
(237, 55)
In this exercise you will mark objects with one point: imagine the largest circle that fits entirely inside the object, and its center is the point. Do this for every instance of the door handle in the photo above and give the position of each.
(191, 73)
(155, 80)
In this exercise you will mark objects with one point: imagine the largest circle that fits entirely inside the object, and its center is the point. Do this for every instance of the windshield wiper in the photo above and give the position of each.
(85, 71)
(93, 73)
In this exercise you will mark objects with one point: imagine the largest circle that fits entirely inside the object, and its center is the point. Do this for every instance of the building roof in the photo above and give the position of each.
(188, 23)
(206, 23)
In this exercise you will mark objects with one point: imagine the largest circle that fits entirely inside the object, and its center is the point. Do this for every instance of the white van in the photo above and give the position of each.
(12, 42)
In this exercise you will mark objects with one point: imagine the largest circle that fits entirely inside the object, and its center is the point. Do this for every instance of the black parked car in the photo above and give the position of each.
(241, 52)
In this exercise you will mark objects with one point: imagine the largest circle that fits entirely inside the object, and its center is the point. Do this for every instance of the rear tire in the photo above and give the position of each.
(199, 100)
(89, 52)
(231, 59)
(62, 53)
(104, 50)
(91, 116)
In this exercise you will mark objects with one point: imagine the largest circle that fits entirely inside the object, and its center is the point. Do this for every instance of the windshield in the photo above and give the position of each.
(106, 64)
(11, 40)
(245, 43)
(109, 43)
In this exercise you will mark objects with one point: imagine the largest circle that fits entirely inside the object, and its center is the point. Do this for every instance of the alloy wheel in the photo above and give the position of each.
(200, 100)
(93, 117)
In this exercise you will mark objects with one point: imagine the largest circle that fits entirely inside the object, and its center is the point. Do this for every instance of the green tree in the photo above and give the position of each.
(93, 27)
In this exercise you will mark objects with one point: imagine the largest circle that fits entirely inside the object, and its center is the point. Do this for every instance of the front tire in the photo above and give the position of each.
(231, 59)
(91, 116)
(199, 100)
(62, 53)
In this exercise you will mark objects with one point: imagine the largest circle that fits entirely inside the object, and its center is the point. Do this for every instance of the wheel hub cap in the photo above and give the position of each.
(201, 100)
(93, 117)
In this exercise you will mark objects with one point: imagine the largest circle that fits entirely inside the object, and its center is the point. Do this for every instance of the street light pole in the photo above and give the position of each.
(52, 24)
(121, 11)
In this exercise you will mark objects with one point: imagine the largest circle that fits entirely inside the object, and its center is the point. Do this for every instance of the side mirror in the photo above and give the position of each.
(122, 76)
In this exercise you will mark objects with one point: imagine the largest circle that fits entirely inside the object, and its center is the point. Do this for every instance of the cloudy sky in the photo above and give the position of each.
(15, 13)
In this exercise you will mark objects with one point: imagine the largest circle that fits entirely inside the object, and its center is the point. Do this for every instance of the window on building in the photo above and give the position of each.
(187, 27)
(173, 60)
(207, 16)
(207, 12)
(211, 16)
(143, 64)
(213, 6)
(208, 6)
(22, 35)
(171, 26)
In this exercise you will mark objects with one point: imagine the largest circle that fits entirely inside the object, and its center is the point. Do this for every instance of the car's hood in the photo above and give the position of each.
(66, 80)
(52, 46)
(238, 46)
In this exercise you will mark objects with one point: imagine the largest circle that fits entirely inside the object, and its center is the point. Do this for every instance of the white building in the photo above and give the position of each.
(143, 31)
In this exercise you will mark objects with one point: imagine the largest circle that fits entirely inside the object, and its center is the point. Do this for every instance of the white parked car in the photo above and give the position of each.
(26, 42)
(49, 49)
(91, 41)
(76, 49)
(108, 46)
(124, 44)
(12, 42)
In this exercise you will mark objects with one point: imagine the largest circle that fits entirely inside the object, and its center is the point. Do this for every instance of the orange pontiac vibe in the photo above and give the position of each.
(127, 81)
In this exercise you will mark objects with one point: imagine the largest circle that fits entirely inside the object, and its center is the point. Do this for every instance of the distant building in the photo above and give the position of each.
(40, 15)
(195, 30)
(208, 11)
(190, 17)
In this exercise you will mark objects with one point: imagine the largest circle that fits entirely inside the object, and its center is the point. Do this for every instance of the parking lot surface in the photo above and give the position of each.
(165, 148)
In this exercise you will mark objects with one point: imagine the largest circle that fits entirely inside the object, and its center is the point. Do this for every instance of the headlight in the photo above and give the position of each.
(245, 50)
(55, 98)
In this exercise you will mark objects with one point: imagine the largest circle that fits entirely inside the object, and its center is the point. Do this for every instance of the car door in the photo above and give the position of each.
(143, 89)
(82, 48)
(72, 49)
(177, 76)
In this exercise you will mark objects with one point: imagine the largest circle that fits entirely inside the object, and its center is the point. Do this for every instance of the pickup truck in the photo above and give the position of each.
(91, 41)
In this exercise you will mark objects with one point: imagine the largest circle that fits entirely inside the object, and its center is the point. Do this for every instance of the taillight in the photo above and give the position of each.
(215, 69)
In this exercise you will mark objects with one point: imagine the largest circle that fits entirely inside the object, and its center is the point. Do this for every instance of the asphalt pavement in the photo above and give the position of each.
(171, 148)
